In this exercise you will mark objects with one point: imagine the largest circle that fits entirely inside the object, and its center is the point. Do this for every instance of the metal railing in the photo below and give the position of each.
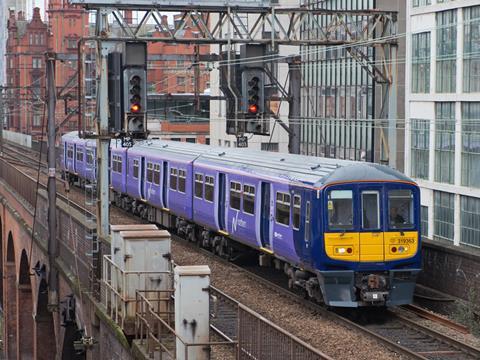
(120, 286)
(259, 338)
(155, 328)
(23, 185)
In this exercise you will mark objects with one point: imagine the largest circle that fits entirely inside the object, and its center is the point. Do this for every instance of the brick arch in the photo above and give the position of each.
(10, 285)
(10, 248)
(25, 329)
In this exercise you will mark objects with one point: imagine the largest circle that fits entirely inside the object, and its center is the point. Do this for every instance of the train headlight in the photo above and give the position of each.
(340, 250)
(402, 249)
(343, 250)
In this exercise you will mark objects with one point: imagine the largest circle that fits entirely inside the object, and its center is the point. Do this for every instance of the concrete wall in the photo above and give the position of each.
(450, 269)
(18, 138)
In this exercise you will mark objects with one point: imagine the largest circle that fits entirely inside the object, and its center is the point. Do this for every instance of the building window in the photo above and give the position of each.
(421, 63)
(270, 147)
(72, 43)
(227, 143)
(249, 199)
(36, 119)
(235, 195)
(444, 213)
(180, 81)
(420, 148)
(471, 49)
(471, 144)
(470, 220)
(446, 51)
(36, 63)
(282, 209)
(445, 142)
(417, 3)
(424, 220)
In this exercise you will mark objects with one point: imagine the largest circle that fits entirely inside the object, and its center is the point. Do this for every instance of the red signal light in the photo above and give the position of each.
(253, 108)
(135, 108)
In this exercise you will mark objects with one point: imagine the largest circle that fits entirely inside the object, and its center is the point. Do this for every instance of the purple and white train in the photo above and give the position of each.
(347, 232)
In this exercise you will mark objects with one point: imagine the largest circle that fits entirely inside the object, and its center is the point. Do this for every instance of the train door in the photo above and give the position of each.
(148, 180)
(371, 234)
(221, 201)
(165, 184)
(265, 215)
(74, 159)
(142, 178)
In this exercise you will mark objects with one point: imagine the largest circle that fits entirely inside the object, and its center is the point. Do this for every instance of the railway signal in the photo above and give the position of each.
(135, 89)
(253, 99)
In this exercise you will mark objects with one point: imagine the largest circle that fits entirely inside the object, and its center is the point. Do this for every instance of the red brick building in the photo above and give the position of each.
(176, 76)
(174, 115)
(67, 23)
(25, 57)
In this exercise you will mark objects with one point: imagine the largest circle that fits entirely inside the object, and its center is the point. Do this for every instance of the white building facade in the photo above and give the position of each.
(442, 116)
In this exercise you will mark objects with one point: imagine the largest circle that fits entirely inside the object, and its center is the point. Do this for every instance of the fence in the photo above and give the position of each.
(155, 329)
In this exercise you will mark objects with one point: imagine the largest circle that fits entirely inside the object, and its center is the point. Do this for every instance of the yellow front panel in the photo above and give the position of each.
(371, 246)
(407, 240)
(337, 245)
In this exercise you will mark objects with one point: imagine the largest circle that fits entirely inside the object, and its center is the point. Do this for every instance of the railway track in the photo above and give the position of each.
(398, 333)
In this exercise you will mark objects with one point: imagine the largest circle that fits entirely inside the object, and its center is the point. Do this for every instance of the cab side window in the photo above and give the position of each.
(340, 209)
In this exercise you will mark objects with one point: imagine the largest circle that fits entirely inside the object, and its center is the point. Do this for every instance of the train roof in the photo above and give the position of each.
(311, 170)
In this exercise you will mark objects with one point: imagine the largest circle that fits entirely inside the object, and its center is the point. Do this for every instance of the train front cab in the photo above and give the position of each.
(371, 243)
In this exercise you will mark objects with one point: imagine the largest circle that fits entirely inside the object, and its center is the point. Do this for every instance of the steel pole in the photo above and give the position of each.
(392, 109)
(294, 67)
(103, 144)
(51, 185)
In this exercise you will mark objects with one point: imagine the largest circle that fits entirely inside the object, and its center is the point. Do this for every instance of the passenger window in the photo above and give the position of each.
(340, 209)
(249, 199)
(89, 157)
(400, 209)
(135, 168)
(209, 186)
(370, 210)
(181, 180)
(80, 155)
(235, 194)
(149, 172)
(173, 179)
(199, 186)
(156, 174)
(282, 209)
(297, 207)
(307, 221)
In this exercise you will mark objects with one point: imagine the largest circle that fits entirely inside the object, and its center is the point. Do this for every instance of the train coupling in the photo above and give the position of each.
(374, 288)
